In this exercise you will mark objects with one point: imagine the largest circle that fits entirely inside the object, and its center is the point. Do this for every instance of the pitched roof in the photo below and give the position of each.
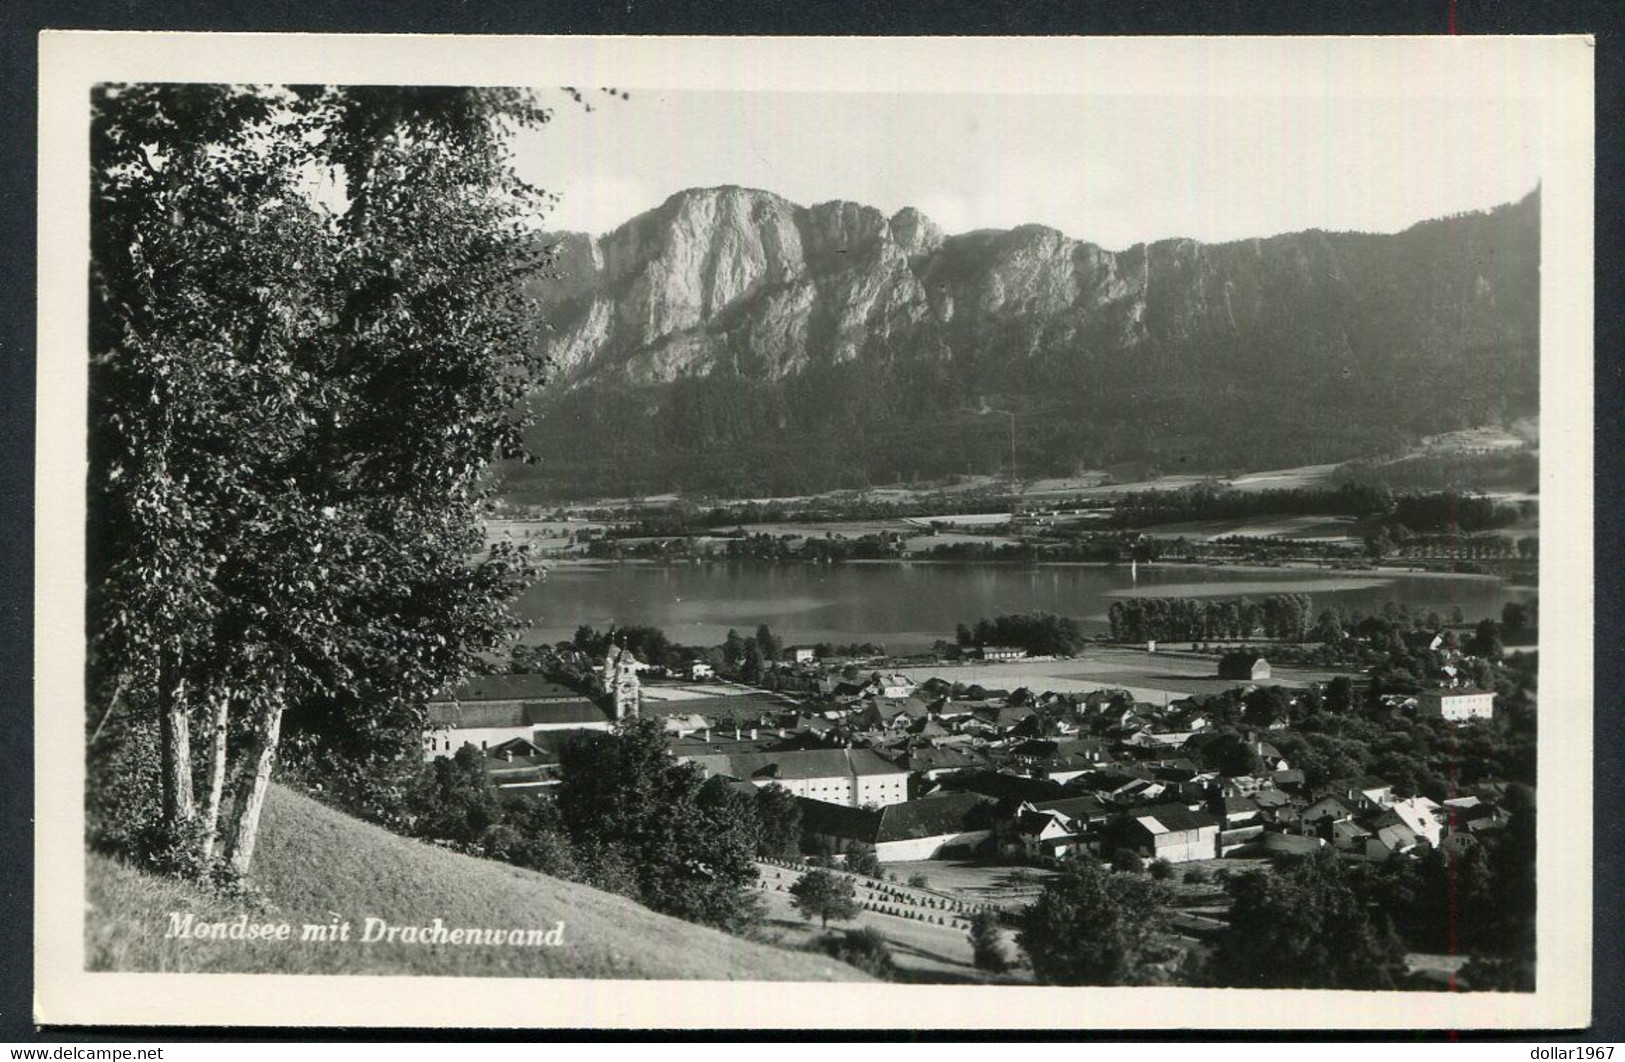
(838, 820)
(509, 688)
(1171, 818)
(795, 764)
(502, 714)
(1073, 807)
(934, 816)
(1397, 836)
(1349, 831)
(1005, 786)
(1034, 822)
(865, 762)
(938, 759)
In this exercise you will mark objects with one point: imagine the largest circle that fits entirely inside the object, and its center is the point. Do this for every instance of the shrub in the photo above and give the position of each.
(1126, 860)
(864, 948)
(1197, 876)
(1161, 869)
(122, 784)
(861, 859)
(986, 943)
(919, 881)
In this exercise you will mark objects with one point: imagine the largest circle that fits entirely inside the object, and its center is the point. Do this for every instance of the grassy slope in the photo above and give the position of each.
(313, 861)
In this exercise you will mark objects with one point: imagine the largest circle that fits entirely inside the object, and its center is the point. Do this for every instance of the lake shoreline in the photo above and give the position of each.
(1374, 575)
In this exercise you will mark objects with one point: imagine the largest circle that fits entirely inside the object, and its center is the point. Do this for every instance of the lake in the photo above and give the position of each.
(909, 605)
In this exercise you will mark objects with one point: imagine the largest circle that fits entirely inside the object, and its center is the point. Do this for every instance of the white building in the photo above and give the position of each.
(851, 777)
(1456, 705)
(935, 827)
(894, 687)
(486, 712)
(1173, 832)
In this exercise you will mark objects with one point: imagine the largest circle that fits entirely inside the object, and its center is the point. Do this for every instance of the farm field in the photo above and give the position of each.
(977, 882)
(1146, 676)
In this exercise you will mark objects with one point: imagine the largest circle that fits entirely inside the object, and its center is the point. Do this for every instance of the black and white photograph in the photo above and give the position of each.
(1024, 516)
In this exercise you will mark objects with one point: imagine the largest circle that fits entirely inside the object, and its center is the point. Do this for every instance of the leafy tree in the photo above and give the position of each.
(780, 818)
(1486, 640)
(1039, 633)
(1340, 695)
(987, 943)
(538, 842)
(687, 845)
(292, 405)
(823, 894)
(1305, 926)
(1092, 927)
(1267, 705)
(861, 859)
(460, 801)
(767, 643)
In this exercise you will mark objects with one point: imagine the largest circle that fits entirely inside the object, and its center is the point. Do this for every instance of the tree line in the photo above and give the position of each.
(1039, 633)
(1283, 616)
(1415, 511)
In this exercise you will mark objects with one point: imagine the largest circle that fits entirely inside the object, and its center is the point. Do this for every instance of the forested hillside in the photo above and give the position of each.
(730, 341)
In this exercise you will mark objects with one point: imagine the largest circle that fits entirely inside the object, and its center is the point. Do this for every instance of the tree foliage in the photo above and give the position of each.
(1039, 633)
(1093, 927)
(678, 843)
(861, 859)
(824, 894)
(1305, 926)
(308, 338)
(987, 943)
(1284, 616)
(780, 818)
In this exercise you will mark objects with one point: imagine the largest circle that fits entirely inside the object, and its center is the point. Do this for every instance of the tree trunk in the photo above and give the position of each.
(175, 755)
(221, 703)
(249, 787)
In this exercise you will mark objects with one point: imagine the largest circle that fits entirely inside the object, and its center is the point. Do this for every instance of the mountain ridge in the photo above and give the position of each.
(759, 296)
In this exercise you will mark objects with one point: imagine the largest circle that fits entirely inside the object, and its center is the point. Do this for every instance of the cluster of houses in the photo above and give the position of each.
(930, 770)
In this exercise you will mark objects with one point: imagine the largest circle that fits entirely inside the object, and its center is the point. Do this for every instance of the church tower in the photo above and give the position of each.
(621, 682)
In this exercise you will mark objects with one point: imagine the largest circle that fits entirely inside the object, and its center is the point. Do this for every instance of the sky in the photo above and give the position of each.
(1111, 170)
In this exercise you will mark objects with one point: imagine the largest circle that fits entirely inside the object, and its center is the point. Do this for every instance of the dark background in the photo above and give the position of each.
(21, 20)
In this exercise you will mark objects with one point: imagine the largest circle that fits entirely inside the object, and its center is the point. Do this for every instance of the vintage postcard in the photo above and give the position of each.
(979, 533)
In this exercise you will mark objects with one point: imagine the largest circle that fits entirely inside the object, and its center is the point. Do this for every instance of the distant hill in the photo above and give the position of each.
(313, 861)
(732, 341)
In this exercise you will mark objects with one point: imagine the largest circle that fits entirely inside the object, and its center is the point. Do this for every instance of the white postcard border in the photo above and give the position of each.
(1557, 71)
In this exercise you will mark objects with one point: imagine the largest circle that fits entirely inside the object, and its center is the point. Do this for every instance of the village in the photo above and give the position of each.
(941, 792)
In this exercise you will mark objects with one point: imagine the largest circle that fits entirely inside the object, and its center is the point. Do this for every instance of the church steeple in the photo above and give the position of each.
(621, 681)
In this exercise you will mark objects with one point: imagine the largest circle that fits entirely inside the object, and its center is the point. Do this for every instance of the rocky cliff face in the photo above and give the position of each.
(737, 280)
(742, 281)
(724, 288)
